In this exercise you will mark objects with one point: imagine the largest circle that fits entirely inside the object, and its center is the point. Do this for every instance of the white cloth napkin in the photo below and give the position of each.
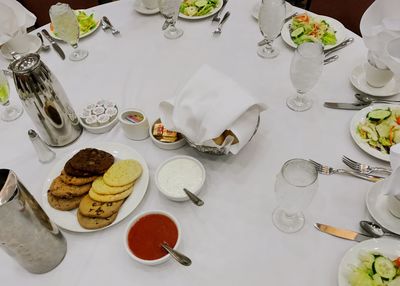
(380, 26)
(14, 19)
(391, 184)
(208, 104)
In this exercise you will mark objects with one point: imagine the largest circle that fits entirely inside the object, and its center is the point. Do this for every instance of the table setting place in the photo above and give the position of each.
(150, 140)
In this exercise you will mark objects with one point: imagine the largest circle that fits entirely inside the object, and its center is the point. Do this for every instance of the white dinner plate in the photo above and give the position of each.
(335, 24)
(359, 81)
(67, 219)
(385, 246)
(51, 32)
(139, 7)
(21, 44)
(377, 205)
(361, 116)
(256, 9)
(219, 6)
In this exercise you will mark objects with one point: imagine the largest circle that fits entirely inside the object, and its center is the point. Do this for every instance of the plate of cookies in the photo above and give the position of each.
(95, 187)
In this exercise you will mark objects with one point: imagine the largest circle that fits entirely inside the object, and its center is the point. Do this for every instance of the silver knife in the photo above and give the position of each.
(339, 47)
(53, 43)
(347, 106)
(342, 233)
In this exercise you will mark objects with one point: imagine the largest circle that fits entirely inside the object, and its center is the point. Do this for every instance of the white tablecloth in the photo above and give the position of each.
(231, 239)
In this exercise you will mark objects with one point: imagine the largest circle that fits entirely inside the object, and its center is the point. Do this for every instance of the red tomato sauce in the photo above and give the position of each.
(147, 234)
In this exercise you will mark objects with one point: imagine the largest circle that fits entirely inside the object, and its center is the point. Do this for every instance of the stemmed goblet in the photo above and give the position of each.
(295, 187)
(305, 70)
(270, 19)
(66, 27)
(170, 10)
(10, 111)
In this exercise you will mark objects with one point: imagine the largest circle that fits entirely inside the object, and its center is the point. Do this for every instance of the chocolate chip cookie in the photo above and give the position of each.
(92, 161)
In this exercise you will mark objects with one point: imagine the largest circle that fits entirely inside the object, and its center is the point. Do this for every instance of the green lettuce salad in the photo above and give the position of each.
(381, 128)
(305, 28)
(86, 22)
(375, 270)
(193, 8)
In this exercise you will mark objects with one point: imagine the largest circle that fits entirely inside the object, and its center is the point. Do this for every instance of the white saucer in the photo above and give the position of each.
(139, 7)
(357, 78)
(377, 206)
(21, 44)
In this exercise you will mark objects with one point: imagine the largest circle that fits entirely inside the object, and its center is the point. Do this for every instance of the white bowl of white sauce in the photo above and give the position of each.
(177, 173)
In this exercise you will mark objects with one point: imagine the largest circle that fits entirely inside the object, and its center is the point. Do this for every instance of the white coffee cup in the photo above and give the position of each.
(377, 77)
(150, 4)
(138, 130)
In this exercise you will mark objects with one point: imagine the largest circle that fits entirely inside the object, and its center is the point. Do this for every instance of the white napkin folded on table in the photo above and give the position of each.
(209, 104)
(391, 184)
(14, 19)
(380, 26)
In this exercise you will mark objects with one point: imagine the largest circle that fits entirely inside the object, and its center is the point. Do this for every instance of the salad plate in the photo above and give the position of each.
(390, 248)
(361, 116)
(377, 205)
(68, 219)
(256, 9)
(21, 44)
(359, 81)
(140, 8)
(81, 35)
(340, 31)
(212, 12)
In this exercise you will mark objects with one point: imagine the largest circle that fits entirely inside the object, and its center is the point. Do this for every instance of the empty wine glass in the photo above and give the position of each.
(305, 70)
(66, 27)
(270, 19)
(295, 187)
(10, 111)
(170, 10)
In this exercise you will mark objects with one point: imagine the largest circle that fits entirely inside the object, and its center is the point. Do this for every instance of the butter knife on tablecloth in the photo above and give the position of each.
(53, 43)
(342, 233)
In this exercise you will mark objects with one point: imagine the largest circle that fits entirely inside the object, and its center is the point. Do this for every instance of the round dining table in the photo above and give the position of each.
(231, 240)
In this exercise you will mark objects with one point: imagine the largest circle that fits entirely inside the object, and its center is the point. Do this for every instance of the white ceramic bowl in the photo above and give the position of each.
(134, 220)
(138, 131)
(100, 129)
(165, 145)
(182, 196)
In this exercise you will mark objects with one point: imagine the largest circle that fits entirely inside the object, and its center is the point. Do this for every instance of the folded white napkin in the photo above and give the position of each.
(14, 19)
(391, 184)
(379, 26)
(209, 104)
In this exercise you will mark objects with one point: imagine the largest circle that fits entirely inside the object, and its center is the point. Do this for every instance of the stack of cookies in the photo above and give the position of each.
(107, 193)
(68, 189)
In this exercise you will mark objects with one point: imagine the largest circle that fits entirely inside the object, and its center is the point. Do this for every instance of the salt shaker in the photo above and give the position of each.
(43, 151)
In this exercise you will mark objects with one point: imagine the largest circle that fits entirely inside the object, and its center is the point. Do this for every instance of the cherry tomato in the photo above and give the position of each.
(397, 262)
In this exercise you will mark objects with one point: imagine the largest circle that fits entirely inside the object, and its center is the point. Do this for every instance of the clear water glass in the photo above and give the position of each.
(271, 19)
(305, 70)
(170, 10)
(295, 187)
(66, 27)
(10, 111)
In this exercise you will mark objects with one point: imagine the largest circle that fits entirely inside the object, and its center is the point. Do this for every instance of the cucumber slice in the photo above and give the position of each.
(297, 33)
(379, 114)
(384, 267)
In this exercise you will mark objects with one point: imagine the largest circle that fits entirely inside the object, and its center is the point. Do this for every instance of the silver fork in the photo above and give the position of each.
(107, 22)
(219, 28)
(216, 18)
(364, 168)
(326, 170)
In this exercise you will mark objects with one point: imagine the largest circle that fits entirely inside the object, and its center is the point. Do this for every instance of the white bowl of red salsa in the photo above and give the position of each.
(145, 234)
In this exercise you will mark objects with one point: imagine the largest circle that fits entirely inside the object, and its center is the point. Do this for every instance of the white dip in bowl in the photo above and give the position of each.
(177, 173)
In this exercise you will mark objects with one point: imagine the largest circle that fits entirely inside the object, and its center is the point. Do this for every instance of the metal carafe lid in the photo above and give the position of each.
(25, 64)
(8, 185)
